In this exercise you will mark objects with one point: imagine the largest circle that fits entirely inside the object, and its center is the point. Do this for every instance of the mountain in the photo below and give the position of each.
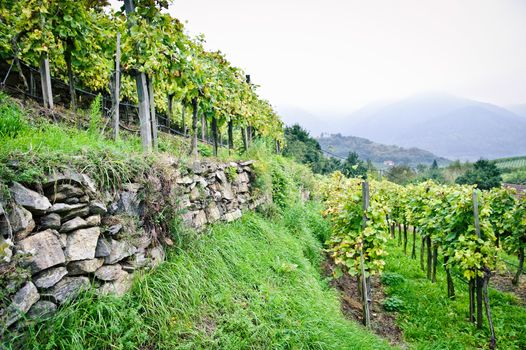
(520, 110)
(448, 126)
(375, 152)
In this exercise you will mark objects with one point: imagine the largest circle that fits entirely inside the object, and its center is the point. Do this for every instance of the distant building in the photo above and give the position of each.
(389, 163)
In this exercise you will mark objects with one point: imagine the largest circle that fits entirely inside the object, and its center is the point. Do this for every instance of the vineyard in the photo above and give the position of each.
(459, 227)
(137, 55)
(507, 163)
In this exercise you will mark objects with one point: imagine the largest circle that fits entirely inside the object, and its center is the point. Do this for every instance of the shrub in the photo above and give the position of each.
(393, 304)
(392, 279)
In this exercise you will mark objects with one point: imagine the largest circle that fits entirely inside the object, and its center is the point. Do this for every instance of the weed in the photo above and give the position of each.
(393, 304)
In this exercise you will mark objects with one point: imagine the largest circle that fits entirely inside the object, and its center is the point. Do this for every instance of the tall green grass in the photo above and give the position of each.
(430, 320)
(251, 284)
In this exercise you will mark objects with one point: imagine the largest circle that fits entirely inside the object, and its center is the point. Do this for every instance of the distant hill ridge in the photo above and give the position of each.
(376, 152)
(449, 126)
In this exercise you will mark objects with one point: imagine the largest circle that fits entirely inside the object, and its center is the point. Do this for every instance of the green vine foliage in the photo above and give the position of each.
(443, 213)
(152, 42)
(349, 239)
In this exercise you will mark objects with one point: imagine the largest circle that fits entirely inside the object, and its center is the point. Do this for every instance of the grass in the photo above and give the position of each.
(430, 320)
(251, 284)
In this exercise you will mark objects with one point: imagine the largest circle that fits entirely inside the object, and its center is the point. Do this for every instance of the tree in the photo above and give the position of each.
(400, 174)
(484, 174)
(353, 166)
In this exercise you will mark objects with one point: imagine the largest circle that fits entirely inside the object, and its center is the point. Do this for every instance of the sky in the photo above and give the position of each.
(335, 56)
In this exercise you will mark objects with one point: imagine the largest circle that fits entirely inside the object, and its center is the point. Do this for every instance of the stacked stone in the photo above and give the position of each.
(209, 195)
(59, 234)
(70, 240)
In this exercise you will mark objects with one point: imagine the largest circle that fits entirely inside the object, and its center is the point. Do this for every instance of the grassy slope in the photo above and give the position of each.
(252, 284)
(432, 321)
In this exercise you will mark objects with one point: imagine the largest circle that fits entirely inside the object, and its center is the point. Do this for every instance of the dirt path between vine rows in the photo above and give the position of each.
(383, 323)
(502, 281)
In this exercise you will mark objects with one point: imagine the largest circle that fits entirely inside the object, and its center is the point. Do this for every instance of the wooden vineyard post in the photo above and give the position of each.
(193, 148)
(231, 135)
(142, 95)
(45, 81)
(405, 238)
(153, 117)
(413, 249)
(478, 279)
(429, 256)
(366, 300)
(482, 283)
(117, 91)
(215, 136)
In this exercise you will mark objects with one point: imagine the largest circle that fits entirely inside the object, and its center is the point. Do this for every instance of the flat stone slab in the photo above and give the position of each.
(49, 277)
(21, 303)
(82, 267)
(45, 250)
(29, 199)
(119, 251)
(82, 244)
(118, 287)
(109, 272)
(67, 288)
(73, 224)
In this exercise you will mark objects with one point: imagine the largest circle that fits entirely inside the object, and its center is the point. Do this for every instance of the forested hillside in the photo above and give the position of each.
(376, 152)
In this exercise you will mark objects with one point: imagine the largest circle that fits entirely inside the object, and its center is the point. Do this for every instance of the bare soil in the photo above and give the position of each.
(502, 281)
(383, 323)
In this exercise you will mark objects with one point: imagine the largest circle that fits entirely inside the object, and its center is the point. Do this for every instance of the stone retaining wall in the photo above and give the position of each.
(63, 235)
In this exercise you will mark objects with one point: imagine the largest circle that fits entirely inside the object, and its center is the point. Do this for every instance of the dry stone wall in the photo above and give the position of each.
(63, 236)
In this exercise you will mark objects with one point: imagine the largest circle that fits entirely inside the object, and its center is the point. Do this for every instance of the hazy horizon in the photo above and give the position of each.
(338, 56)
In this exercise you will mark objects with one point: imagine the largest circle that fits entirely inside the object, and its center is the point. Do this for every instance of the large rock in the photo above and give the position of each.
(93, 220)
(49, 277)
(97, 207)
(243, 178)
(212, 212)
(200, 218)
(21, 303)
(29, 199)
(109, 272)
(45, 250)
(80, 212)
(73, 224)
(234, 215)
(119, 251)
(22, 223)
(221, 176)
(72, 200)
(82, 244)
(118, 287)
(64, 191)
(67, 288)
(243, 188)
(226, 191)
(42, 309)
(51, 221)
(128, 203)
(83, 267)
(71, 177)
(103, 248)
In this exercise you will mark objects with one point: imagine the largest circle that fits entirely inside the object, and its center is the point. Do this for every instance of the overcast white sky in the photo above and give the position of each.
(342, 54)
